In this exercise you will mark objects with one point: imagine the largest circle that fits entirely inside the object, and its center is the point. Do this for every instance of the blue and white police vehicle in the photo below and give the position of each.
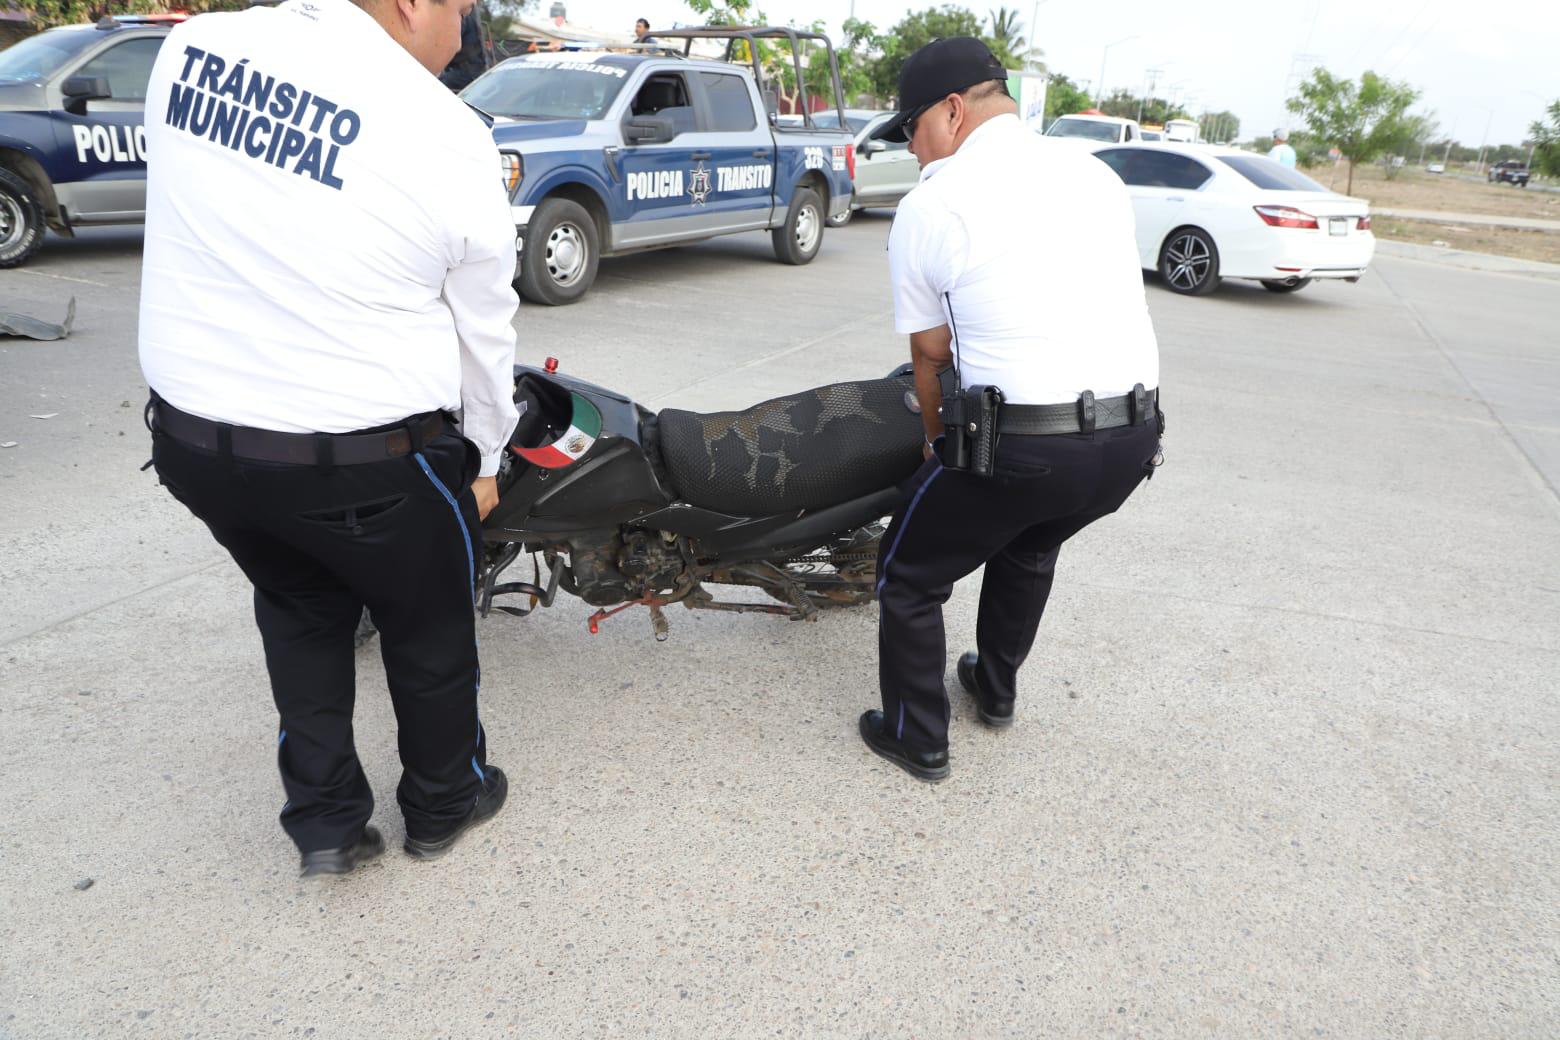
(606, 153)
(72, 144)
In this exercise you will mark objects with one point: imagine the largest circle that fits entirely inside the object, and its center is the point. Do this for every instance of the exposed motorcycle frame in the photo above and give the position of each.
(613, 528)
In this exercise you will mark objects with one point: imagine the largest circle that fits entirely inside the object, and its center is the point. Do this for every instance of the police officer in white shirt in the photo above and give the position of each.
(327, 274)
(1014, 261)
(1282, 151)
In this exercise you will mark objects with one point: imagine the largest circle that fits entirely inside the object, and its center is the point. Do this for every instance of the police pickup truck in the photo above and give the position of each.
(72, 147)
(610, 153)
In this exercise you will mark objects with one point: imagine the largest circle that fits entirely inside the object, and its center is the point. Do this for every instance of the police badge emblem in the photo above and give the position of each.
(699, 184)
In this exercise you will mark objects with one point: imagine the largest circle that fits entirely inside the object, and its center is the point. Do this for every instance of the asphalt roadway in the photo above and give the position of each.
(1285, 761)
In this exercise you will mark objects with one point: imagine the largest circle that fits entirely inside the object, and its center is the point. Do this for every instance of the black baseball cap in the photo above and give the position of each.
(936, 70)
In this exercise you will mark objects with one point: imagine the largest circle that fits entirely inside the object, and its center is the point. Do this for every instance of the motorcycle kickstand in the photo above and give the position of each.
(658, 624)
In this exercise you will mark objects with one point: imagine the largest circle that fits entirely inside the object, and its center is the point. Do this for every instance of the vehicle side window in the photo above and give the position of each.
(1118, 159)
(665, 94)
(1144, 168)
(731, 108)
(127, 66)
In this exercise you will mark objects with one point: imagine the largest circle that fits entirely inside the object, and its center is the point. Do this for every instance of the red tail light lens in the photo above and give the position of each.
(1363, 225)
(1286, 216)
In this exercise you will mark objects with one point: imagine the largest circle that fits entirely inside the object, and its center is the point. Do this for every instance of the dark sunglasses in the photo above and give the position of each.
(910, 123)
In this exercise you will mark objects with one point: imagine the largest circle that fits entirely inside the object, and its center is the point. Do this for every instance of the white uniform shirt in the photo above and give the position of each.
(328, 242)
(1026, 247)
(1282, 153)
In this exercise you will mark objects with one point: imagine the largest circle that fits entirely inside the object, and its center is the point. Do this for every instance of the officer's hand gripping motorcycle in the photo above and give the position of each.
(623, 507)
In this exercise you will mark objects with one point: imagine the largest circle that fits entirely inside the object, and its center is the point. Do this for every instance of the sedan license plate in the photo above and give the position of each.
(1338, 226)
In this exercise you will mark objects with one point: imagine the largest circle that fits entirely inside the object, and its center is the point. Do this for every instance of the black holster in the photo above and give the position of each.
(969, 418)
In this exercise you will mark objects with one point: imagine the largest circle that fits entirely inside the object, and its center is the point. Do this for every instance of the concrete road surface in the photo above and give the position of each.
(1285, 761)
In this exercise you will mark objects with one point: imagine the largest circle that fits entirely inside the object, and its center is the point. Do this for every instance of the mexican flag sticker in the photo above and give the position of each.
(584, 428)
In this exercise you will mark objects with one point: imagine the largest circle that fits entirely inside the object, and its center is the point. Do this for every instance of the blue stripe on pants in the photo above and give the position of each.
(471, 576)
(888, 557)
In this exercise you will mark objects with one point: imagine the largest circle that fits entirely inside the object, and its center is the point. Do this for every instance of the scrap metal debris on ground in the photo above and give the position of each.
(13, 324)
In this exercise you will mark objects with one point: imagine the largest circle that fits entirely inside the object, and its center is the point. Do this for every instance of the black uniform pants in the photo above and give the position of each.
(398, 536)
(1044, 490)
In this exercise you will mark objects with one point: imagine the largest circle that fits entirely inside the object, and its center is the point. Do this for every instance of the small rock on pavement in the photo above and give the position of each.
(84, 884)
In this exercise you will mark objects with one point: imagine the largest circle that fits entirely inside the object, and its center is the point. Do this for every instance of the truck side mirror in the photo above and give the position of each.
(78, 90)
(648, 130)
(873, 147)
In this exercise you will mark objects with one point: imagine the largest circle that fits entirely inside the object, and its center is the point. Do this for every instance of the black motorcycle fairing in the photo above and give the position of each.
(612, 483)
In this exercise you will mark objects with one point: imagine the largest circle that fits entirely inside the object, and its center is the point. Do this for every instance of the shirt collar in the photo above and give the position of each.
(983, 134)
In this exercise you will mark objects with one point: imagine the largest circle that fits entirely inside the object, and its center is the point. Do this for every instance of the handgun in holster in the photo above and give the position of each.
(969, 418)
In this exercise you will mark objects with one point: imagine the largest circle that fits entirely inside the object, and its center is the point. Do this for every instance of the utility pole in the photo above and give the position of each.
(1486, 139)
(1449, 139)
(1099, 90)
(1150, 81)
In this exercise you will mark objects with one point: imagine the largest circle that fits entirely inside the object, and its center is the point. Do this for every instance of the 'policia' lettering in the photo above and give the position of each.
(266, 119)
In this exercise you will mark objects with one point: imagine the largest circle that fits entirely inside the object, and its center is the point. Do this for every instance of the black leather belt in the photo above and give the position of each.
(1087, 414)
(303, 449)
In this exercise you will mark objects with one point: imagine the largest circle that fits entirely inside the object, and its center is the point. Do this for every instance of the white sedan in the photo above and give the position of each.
(1205, 214)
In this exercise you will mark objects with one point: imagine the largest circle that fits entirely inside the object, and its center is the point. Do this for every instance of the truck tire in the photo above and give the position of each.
(21, 220)
(797, 240)
(562, 251)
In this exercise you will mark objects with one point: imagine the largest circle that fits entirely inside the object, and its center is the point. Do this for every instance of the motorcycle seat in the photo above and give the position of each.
(808, 451)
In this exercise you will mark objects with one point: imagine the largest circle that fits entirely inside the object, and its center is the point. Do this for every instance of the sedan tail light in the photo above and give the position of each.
(1286, 216)
(850, 162)
(1363, 225)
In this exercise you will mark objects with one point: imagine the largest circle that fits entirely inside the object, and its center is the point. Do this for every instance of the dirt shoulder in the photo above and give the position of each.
(1418, 190)
(1415, 189)
(1522, 245)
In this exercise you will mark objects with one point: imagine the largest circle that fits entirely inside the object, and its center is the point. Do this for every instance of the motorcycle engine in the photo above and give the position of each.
(623, 568)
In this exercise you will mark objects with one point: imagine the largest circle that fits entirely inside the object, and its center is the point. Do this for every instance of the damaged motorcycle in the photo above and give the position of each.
(625, 507)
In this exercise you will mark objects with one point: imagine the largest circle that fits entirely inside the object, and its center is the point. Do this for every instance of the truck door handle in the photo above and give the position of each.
(696, 156)
(1175, 198)
(761, 153)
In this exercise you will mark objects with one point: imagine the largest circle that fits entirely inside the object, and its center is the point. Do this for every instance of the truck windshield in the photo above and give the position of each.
(39, 56)
(547, 89)
(1094, 131)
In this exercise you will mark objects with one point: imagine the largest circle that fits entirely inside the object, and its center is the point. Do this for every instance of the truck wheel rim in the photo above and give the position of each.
(1187, 262)
(566, 254)
(807, 229)
(12, 226)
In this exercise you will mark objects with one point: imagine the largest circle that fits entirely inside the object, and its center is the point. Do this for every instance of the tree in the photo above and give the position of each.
(1546, 142)
(1219, 126)
(913, 31)
(1362, 121)
(1063, 97)
(725, 12)
(1005, 41)
(46, 14)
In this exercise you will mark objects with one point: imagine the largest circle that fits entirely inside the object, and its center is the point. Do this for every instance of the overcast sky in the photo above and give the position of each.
(1476, 63)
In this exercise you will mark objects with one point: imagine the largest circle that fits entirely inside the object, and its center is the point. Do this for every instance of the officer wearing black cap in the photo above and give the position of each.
(1014, 263)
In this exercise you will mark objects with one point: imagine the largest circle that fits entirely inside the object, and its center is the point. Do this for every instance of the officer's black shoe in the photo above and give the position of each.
(495, 788)
(994, 713)
(923, 765)
(341, 861)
